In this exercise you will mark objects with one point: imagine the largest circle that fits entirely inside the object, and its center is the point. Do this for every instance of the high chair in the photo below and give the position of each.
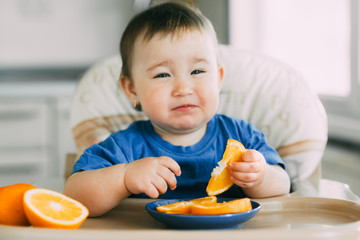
(262, 90)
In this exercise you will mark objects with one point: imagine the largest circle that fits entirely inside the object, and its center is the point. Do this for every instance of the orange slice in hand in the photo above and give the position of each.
(220, 177)
(184, 207)
(46, 208)
(234, 206)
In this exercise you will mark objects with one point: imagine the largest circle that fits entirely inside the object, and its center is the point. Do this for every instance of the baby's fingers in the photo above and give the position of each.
(245, 167)
(252, 155)
(152, 191)
(170, 164)
(244, 177)
(168, 177)
(244, 180)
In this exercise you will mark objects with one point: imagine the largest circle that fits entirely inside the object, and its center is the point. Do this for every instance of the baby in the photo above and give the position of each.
(171, 72)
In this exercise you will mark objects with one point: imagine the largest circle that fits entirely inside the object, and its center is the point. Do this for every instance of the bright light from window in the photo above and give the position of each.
(313, 36)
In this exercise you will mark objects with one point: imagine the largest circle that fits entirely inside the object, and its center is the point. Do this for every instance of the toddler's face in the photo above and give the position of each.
(177, 80)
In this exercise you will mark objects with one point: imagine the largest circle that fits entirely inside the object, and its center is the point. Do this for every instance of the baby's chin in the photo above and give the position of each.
(186, 128)
(183, 124)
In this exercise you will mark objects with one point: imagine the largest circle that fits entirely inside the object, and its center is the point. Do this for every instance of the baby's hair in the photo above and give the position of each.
(167, 18)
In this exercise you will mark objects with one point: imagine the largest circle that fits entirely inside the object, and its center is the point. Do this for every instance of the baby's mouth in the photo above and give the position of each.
(184, 107)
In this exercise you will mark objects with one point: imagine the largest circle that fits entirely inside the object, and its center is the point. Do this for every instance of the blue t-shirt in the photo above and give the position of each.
(140, 140)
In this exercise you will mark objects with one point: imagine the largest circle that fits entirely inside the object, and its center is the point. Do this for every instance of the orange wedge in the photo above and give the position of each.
(234, 206)
(220, 177)
(184, 207)
(46, 208)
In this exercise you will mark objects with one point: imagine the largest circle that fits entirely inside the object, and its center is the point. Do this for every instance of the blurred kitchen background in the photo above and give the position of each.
(46, 45)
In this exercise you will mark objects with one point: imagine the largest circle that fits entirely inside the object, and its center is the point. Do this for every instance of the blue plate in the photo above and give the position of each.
(200, 221)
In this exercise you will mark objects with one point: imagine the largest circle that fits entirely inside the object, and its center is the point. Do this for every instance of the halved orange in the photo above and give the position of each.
(46, 208)
(234, 206)
(184, 207)
(220, 177)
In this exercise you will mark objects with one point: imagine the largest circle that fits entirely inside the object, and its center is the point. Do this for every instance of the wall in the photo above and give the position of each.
(70, 33)
(217, 11)
(43, 33)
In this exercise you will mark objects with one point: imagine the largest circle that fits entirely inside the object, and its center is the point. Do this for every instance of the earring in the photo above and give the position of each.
(135, 103)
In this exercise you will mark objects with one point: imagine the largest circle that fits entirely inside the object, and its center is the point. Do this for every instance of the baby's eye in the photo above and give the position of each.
(162, 75)
(197, 71)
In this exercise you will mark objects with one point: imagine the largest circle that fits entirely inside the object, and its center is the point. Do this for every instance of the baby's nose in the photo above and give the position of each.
(183, 88)
(183, 92)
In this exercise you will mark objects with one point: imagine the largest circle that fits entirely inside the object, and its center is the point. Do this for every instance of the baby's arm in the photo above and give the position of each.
(257, 178)
(102, 189)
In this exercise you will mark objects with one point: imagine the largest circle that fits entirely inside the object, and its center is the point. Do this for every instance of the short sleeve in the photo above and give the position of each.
(253, 138)
(101, 155)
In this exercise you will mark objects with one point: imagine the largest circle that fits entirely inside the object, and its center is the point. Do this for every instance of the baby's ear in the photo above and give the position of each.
(221, 76)
(128, 87)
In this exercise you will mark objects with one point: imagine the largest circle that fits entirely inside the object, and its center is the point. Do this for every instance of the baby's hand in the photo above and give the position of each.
(151, 175)
(250, 171)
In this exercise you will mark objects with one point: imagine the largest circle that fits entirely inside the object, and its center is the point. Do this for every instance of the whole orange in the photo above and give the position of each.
(11, 204)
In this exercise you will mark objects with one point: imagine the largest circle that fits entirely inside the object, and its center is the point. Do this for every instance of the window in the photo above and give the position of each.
(317, 37)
